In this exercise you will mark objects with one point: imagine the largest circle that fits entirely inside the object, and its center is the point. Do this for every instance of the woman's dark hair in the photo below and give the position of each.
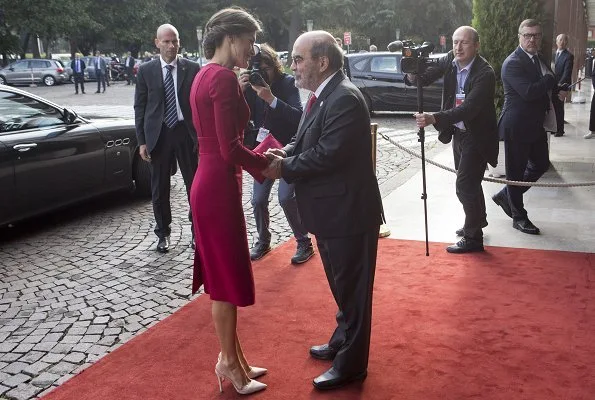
(270, 57)
(227, 22)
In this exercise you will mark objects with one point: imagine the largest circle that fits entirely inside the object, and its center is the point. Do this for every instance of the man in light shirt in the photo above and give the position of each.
(468, 117)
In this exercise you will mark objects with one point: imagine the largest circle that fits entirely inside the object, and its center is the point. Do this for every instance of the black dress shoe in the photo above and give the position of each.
(558, 134)
(502, 201)
(465, 245)
(525, 226)
(332, 379)
(323, 352)
(163, 245)
(461, 231)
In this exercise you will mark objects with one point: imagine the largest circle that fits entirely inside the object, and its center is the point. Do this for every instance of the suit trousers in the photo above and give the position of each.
(260, 203)
(174, 144)
(101, 81)
(524, 162)
(559, 110)
(79, 78)
(350, 264)
(470, 166)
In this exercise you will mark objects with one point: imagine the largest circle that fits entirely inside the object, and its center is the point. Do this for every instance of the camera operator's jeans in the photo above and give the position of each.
(260, 203)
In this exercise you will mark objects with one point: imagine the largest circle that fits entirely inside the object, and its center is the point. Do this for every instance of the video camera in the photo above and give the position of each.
(256, 77)
(415, 58)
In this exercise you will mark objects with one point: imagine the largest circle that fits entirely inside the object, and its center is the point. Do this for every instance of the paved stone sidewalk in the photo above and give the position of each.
(85, 281)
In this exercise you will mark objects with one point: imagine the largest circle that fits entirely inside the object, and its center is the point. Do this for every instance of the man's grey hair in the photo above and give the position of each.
(167, 27)
(329, 49)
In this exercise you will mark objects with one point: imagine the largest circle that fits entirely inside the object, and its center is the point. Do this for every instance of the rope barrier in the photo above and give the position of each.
(487, 179)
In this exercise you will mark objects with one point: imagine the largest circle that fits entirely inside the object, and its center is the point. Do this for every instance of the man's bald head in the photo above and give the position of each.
(316, 56)
(323, 44)
(166, 28)
(468, 31)
(168, 42)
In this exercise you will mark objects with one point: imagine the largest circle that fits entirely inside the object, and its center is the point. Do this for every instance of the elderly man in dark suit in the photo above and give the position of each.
(468, 116)
(164, 126)
(330, 162)
(563, 61)
(529, 85)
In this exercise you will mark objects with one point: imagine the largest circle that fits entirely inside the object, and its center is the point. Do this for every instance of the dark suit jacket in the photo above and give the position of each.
(526, 98)
(73, 66)
(149, 100)
(563, 67)
(282, 120)
(478, 112)
(330, 162)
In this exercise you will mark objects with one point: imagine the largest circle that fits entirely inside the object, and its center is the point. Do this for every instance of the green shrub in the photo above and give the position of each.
(497, 23)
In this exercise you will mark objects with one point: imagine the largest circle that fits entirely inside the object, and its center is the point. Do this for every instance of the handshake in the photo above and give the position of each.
(273, 171)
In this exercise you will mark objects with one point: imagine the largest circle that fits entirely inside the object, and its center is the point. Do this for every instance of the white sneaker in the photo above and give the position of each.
(590, 135)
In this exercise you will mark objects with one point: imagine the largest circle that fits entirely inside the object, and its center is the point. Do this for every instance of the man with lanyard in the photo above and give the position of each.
(468, 117)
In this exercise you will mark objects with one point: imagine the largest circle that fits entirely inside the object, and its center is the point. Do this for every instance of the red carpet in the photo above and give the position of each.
(507, 324)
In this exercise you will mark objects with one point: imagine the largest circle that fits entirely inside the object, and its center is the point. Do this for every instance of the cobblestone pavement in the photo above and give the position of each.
(76, 284)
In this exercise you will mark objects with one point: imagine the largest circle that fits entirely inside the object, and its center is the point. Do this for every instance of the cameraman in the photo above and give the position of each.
(275, 109)
(468, 117)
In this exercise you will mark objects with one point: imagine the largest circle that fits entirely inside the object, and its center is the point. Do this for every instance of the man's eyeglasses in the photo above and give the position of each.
(529, 36)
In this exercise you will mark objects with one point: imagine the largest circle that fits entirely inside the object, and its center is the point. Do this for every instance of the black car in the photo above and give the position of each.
(378, 75)
(51, 157)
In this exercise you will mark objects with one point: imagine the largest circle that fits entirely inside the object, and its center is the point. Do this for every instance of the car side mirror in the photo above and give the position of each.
(69, 116)
(11, 69)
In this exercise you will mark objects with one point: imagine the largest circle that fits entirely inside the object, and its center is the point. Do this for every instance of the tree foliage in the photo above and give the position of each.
(497, 24)
(119, 25)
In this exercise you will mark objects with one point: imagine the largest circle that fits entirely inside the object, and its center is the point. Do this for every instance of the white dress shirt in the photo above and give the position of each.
(174, 73)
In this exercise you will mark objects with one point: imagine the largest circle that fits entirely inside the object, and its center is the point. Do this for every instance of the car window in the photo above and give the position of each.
(20, 65)
(360, 65)
(18, 112)
(384, 64)
(39, 64)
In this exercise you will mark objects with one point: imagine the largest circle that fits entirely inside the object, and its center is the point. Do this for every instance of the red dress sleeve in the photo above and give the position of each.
(227, 98)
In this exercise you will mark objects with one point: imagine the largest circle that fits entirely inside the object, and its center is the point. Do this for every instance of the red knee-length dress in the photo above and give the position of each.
(222, 257)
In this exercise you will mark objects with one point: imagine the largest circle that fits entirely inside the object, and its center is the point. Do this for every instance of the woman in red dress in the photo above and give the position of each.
(222, 258)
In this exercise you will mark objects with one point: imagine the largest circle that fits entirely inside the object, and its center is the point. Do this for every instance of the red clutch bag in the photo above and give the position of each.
(268, 143)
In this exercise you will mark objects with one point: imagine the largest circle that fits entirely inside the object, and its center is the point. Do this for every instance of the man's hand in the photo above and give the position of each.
(264, 92)
(562, 95)
(274, 153)
(243, 80)
(144, 154)
(273, 171)
(424, 119)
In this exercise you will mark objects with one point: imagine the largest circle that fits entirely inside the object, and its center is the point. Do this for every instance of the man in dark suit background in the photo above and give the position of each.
(164, 126)
(529, 84)
(100, 71)
(563, 62)
(591, 133)
(330, 162)
(468, 116)
(129, 65)
(78, 69)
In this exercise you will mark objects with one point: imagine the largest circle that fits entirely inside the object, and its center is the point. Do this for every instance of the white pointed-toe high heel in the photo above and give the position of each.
(254, 372)
(252, 386)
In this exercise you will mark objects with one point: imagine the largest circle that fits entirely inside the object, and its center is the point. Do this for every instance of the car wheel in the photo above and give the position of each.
(142, 177)
(2, 80)
(49, 80)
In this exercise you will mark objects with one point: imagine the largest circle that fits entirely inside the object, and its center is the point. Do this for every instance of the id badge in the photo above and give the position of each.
(459, 99)
(262, 134)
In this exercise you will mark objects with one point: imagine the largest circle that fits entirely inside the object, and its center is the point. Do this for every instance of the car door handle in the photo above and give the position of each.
(369, 77)
(24, 147)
